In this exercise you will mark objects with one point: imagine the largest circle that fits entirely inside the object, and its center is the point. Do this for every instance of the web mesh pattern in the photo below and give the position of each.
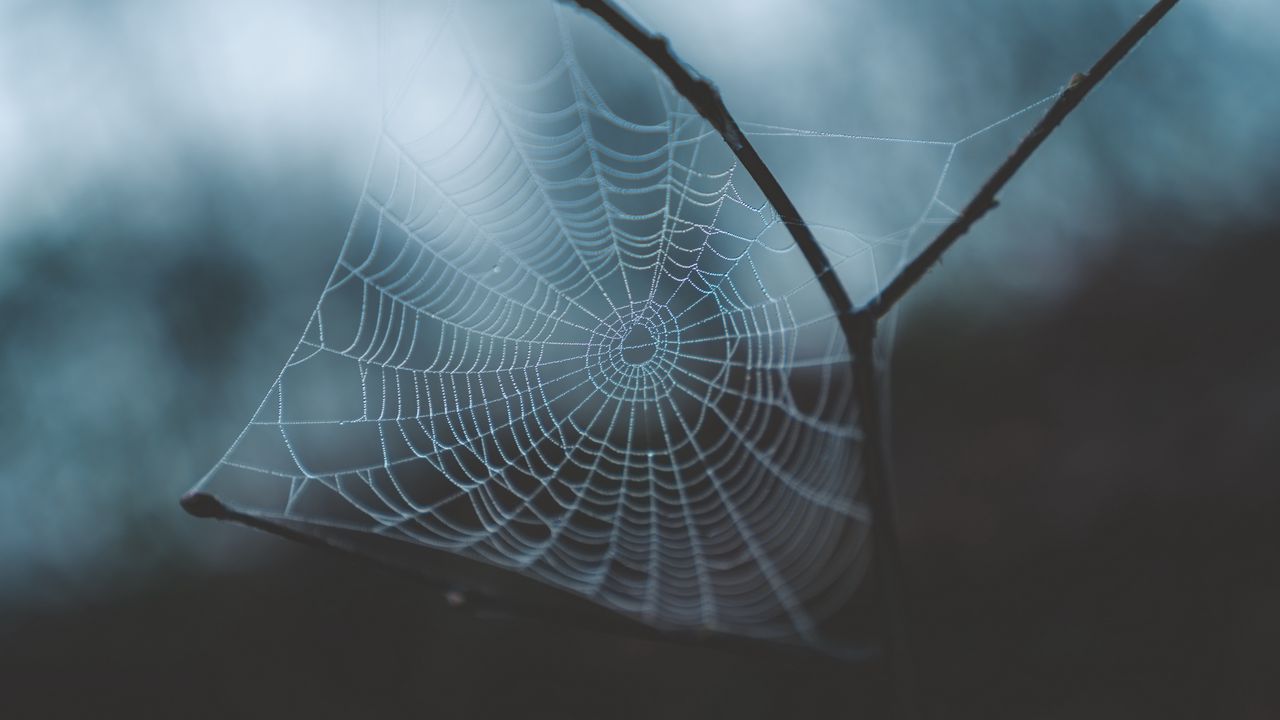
(577, 345)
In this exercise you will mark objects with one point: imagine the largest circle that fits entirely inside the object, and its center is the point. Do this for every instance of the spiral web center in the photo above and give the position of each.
(638, 347)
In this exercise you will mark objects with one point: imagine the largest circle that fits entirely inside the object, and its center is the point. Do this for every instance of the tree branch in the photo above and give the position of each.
(475, 598)
(859, 326)
(985, 200)
(706, 99)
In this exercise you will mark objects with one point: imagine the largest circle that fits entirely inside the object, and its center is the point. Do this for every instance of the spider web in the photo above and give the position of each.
(575, 342)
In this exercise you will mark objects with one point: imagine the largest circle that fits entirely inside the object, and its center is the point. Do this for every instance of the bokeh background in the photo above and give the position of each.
(1084, 396)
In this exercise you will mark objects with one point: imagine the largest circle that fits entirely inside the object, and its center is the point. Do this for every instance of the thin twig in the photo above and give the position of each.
(887, 561)
(985, 200)
(706, 99)
(472, 596)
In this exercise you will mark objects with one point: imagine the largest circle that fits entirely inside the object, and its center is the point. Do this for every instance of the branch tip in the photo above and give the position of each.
(985, 200)
(203, 505)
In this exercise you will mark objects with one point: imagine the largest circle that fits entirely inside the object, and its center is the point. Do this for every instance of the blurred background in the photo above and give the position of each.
(1084, 396)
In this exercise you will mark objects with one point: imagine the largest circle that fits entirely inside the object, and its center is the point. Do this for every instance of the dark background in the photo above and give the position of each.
(1084, 402)
(1092, 534)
